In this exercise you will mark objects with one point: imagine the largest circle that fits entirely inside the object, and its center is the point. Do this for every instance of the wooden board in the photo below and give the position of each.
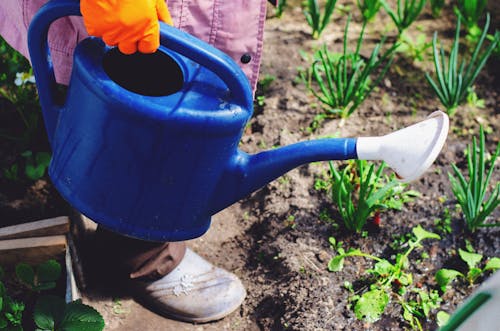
(47, 227)
(31, 250)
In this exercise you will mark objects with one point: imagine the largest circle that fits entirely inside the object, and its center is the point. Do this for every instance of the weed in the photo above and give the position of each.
(454, 79)
(317, 20)
(471, 193)
(391, 280)
(443, 224)
(417, 49)
(445, 276)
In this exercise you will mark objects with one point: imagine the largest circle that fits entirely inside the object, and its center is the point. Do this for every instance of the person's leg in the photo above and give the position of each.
(170, 278)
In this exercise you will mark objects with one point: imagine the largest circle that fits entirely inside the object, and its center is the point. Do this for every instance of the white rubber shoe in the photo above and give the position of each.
(195, 291)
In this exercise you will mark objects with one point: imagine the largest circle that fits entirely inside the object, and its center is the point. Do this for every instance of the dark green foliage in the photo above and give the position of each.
(406, 13)
(454, 78)
(471, 193)
(316, 19)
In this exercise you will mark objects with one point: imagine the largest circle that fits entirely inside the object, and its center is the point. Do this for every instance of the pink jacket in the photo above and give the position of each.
(236, 27)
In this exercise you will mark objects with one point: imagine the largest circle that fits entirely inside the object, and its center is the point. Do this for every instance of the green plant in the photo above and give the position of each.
(344, 80)
(406, 13)
(369, 8)
(43, 277)
(443, 224)
(11, 311)
(437, 7)
(470, 12)
(445, 276)
(36, 164)
(280, 8)
(359, 190)
(471, 193)
(417, 49)
(317, 20)
(454, 79)
(390, 281)
(53, 313)
(50, 313)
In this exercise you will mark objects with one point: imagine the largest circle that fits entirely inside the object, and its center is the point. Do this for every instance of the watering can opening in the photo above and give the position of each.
(155, 74)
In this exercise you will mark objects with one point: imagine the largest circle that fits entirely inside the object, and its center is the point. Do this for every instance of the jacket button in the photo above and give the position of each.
(245, 58)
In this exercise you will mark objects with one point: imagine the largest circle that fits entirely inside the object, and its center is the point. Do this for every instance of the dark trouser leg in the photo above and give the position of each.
(136, 258)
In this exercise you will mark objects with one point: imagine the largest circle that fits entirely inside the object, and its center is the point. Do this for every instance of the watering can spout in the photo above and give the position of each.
(247, 173)
(409, 152)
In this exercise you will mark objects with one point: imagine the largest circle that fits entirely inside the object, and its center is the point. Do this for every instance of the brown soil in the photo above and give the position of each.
(275, 240)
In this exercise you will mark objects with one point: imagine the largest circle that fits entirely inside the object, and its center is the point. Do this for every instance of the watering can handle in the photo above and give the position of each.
(212, 58)
(40, 56)
(170, 37)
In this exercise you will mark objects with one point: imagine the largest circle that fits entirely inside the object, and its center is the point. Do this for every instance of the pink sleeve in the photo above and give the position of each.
(235, 27)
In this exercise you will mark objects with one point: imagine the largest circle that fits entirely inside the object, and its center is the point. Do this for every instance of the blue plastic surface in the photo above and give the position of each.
(156, 167)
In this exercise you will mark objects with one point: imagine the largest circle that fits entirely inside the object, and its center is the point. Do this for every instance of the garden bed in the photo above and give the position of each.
(277, 240)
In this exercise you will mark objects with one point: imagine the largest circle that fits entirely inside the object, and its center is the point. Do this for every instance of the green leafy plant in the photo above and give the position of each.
(436, 7)
(11, 311)
(454, 79)
(359, 190)
(345, 80)
(50, 313)
(391, 281)
(43, 277)
(406, 13)
(470, 12)
(418, 49)
(316, 19)
(18, 88)
(471, 193)
(36, 164)
(445, 276)
(369, 8)
(53, 313)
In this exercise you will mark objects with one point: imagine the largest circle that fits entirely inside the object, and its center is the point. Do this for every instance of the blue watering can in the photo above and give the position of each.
(147, 145)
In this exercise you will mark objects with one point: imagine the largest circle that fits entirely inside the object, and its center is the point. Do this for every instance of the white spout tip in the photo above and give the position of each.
(411, 150)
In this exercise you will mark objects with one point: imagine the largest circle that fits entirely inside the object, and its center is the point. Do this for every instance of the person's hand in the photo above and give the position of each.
(132, 25)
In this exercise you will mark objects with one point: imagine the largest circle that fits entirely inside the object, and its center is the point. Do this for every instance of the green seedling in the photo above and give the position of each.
(358, 191)
(316, 19)
(443, 224)
(417, 49)
(473, 100)
(436, 7)
(406, 13)
(345, 80)
(444, 276)
(454, 79)
(369, 8)
(43, 277)
(470, 12)
(36, 164)
(390, 281)
(471, 193)
(280, 8)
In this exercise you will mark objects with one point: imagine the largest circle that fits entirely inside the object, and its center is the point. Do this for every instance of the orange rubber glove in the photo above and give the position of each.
(130, 24)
